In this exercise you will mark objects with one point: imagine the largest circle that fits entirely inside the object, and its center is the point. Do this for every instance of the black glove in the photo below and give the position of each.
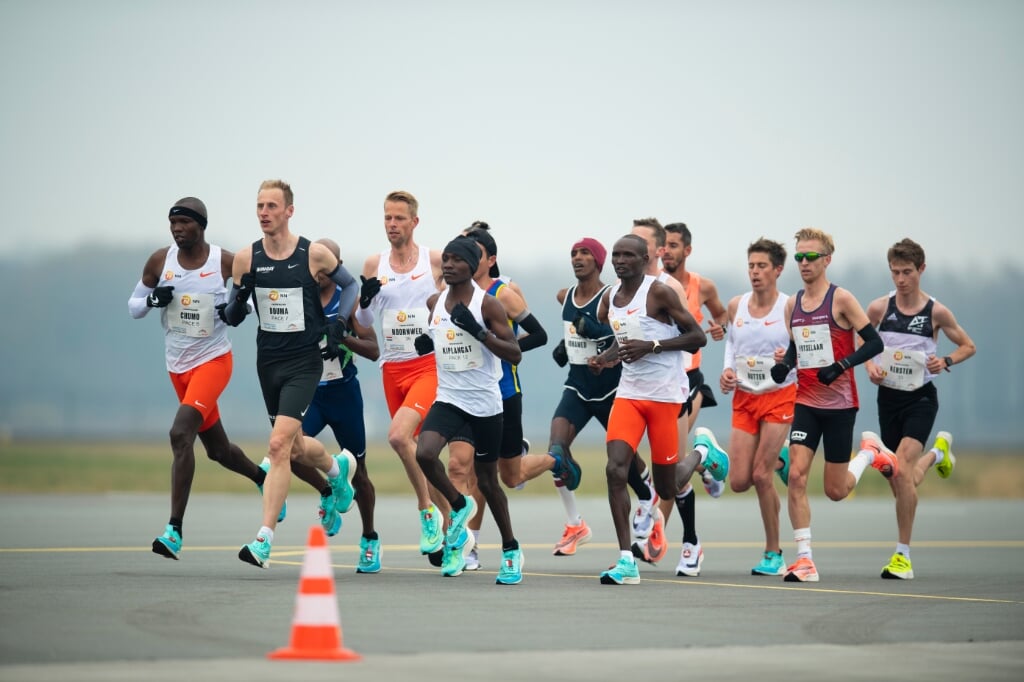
(424, 344)
(245, 289)
(464, 320)
(334, 337)
(220, 312)
(561, 357)
(160, 297)
(826, 375)
(780, 371)
(586, 328)
(369, 289)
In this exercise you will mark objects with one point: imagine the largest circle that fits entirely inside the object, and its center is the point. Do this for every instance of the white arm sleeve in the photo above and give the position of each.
(137, 303)
(364, 316)
(730, 354)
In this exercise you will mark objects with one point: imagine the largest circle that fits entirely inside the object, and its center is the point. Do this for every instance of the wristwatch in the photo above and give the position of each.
(656, 348)
(948, 360)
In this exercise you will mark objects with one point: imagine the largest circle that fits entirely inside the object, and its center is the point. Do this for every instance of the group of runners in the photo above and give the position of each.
(449, 332)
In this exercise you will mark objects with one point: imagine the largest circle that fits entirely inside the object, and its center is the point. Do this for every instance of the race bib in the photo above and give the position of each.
(754, 374)
(191, 315)
(902, 370)
(813, 346)
(457, 351)
(280, 309)
(401, 327)
(578, 348)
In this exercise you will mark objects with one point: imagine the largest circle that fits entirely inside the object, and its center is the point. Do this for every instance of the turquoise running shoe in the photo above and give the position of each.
(431, 532)
(369, 556)
(783, 472)
(566, 467)
(625, 572)
(511, 571)
(457, 520)
(453, 561)
(256, 552)
(265, 465)
(330, 520)
(771, 564)
(168, 544)
(344, 493)
(717, 461)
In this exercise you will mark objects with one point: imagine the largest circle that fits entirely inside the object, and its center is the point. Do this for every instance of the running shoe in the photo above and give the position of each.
(431, 531)
(473, 559)
(690, 560)
(256, 552)
(624, 572)
(265, 465)
(783, 472)
(643, 518)
(711, 486)
(457, 536)
(944, 444)
(168, 544)
(435, 559)
(771, 564)
(453, 560)
(803, 571)
(330, 520)
(882, 458)
(717, 461)
(511, 571)
(369, 556)
(566, 469)
(572, 538)
(344, 493)
(653, 549)
(899, 568)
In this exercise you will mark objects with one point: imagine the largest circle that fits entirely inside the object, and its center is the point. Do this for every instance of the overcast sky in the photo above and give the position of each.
(551, 120)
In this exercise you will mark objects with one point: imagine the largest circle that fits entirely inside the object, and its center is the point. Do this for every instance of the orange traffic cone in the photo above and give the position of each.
(316, 627)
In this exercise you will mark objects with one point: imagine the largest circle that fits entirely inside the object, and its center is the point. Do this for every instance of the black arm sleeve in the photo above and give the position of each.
(871, 347)
(535, 334)
(790, 359)
(237, 307)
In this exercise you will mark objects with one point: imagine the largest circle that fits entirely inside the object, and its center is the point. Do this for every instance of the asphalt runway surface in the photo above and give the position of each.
(82, 597)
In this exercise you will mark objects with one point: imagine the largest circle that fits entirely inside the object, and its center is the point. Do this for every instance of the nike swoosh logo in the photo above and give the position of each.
(417, 276)
(200, 404)
(207, 274)
(769, 323)
(293, 265)
(630, 312)
(786, 416)
(418, 406)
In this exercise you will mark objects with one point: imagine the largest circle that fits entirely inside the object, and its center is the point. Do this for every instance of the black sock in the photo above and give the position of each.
(176, 525)
(326, 491)
(687, 506)
(459, 504)
(372, 535)
(509, 546)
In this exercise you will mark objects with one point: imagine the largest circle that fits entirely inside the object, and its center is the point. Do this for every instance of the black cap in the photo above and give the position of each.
(484, 237)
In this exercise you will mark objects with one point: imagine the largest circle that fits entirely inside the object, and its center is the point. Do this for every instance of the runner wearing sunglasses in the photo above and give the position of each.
(822, 319)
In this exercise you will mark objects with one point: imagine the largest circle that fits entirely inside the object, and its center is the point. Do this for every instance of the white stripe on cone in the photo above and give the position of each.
(320, 609)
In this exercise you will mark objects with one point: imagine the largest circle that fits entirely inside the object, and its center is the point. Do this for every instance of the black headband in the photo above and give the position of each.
(188, 213)
(466, 249)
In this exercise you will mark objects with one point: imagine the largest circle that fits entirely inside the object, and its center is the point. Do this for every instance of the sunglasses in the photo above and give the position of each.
(811, 256)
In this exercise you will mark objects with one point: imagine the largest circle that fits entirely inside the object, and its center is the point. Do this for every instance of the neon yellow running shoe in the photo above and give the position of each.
(899, 568)
(944, 444)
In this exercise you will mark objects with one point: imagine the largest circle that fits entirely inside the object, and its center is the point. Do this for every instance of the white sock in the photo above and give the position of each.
(335, 470)
(860, 462)
(569, 502)
(476, 534)
(903, 549)
(701, 450)
(936, 458)
(266, 534)
(627, 554)
(802, 537)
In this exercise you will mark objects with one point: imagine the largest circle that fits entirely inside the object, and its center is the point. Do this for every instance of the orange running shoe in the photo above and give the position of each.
(884, 460)
(803, 571)
(653, 549)
(572, 537)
